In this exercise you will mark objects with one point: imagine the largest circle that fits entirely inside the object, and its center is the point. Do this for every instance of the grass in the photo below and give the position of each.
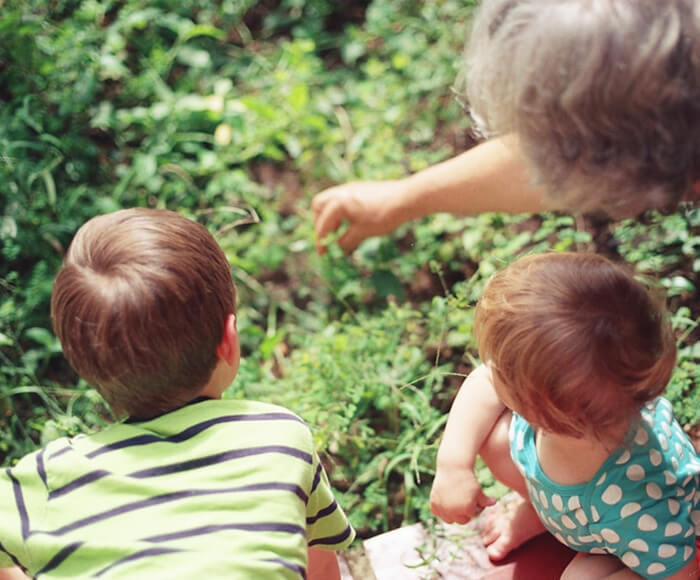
(235, 114)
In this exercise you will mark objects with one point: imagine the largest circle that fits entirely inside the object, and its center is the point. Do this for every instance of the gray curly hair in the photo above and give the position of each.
(604, 96)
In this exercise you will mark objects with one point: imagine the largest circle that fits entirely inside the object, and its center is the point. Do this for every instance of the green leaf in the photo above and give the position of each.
(204, 30)
(41, 336)
(387, 284)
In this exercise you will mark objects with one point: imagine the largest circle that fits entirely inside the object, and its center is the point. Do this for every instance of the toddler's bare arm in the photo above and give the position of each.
(456, 495)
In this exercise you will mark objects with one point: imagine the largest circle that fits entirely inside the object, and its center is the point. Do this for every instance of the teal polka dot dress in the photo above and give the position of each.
(642, 506)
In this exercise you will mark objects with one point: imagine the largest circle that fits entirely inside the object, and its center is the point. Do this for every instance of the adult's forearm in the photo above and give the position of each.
(489, 177)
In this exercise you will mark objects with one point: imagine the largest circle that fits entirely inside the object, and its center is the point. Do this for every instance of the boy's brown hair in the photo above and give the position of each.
(576, 345)
(139, 307)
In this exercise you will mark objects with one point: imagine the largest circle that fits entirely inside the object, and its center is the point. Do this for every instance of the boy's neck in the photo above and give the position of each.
(570, 460)
(220, 380)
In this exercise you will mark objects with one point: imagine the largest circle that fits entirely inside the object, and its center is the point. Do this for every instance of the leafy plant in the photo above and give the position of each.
(234, 113)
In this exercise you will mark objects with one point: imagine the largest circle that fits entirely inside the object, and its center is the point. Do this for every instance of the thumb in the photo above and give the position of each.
(484, 500)
(351, 238)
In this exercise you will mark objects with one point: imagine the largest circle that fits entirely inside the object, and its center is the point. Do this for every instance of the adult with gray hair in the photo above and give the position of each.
(590, 105)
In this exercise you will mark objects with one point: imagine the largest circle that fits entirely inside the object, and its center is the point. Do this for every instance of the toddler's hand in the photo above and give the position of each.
(370, 208)
(456, 496)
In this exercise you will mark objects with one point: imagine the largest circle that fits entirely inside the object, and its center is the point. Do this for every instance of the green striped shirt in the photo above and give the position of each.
(219, 489)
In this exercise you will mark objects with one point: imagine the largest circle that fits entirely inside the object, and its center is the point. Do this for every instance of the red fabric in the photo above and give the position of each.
(542, 558)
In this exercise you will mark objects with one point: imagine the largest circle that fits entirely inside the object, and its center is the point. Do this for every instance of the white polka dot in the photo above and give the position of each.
(647, 523)
(520, 440)
(654, 491)
(624, 458)
(635, 472)
(670, 478)
(543, 500)
(680, 492)
(597, 550)
(667, 429)
(561, 540)
(533, 494)
(557, 503)
(610, 535)
(663, 441)
(655, 457)
(672, 529)
(566, 520)
(630, 560)
(655, 568)
(574, 502)
(673, 507)
(639, 545)
(586, 539)
(612, 494)
(594, 513)
(689, 532)
(641, 437)
(580, 515)
(695, 517)
(629, 508)
(601, 479)
(679, 450)
(687, 553)
(571, 541)
(554, 524)
(667, 551)
(686, 481)
(674, 463)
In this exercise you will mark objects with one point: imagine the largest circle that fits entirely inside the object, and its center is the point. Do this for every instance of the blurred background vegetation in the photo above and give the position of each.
(235, 113)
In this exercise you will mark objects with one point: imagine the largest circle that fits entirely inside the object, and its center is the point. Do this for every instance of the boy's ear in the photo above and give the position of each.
(228, 349)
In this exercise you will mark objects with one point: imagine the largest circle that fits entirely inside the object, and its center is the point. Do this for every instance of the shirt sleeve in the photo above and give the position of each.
(19, 485)
(326, 523)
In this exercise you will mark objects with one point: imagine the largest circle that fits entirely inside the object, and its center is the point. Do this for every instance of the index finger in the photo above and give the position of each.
(326, 222)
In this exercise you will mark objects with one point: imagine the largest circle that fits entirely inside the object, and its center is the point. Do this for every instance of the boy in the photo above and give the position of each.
(189, 485)
(567, 412)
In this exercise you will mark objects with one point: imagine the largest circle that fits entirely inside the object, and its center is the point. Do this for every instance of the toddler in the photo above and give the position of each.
(189, 485)
(567, 411)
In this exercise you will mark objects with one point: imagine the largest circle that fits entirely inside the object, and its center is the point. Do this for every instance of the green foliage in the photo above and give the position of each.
(665, 246)
(234, 113)
(378, 421)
